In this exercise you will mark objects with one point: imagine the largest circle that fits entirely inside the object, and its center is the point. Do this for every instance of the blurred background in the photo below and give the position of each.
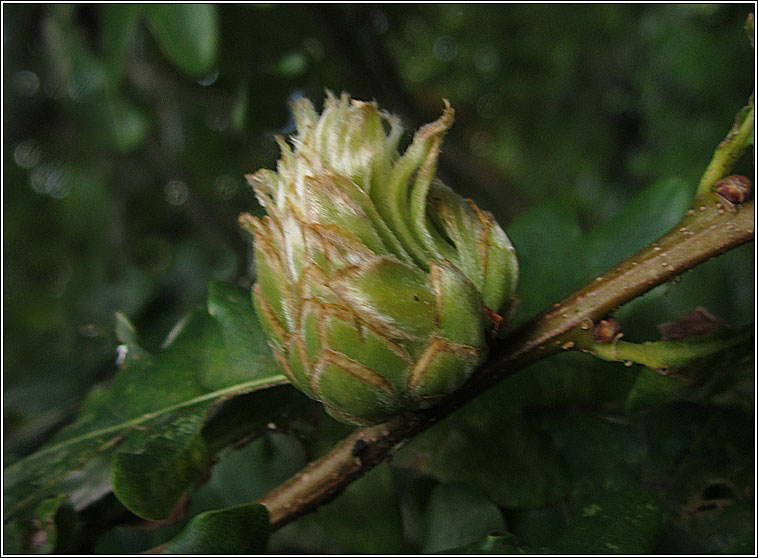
(127, 130)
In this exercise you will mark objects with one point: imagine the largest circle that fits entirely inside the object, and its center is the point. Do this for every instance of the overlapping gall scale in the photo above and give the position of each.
(379, 288)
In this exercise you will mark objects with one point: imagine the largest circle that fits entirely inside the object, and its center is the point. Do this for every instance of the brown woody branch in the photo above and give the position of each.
(711, 228)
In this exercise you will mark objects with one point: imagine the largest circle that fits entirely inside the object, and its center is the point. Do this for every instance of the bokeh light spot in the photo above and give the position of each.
(27, 154)
(176, 192)
(25, 83)
(445, 48)
(379, 21)
(486, 61)
(51, 179)
(225, 187)
(210, 78)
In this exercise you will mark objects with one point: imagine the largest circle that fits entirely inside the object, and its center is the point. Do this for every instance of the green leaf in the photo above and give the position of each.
(494, 544)
(187, 33)
(535, 528)
(366, 518)
(735, 386)
(249, 414)
(703, 364)
(127, 539)
(743, 545)
(84, 74)
(160, 463)
(245, 342)
(245, 474)
(711, 526)
(128, 124)
(491, 446)
(652, 388)
(240, 529)
(712, 285)
(621, 523)
(119, 23)
(704, 457)
(458, 516)
(149, 423)
(292, 64)
(37, 536)
(566, 378)
(240, 108)
(550, 262)
(14, 534)
(647, 217)
(602, 453)
(497, 453)
(555, 257)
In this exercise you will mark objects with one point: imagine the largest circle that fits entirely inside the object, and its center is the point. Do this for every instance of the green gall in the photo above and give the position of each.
(379, 288)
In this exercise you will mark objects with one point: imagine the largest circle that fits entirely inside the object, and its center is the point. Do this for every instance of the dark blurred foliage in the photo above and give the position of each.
(126, 139)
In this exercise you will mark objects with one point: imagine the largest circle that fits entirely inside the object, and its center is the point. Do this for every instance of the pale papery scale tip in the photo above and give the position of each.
(247, 222)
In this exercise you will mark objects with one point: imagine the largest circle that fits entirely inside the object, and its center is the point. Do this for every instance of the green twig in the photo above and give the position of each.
(739, 138)
(663, 356)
